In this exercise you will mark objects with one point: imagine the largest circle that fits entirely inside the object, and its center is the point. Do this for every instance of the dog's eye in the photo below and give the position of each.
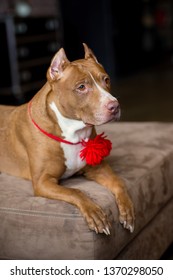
(107, 80)
(81, 88)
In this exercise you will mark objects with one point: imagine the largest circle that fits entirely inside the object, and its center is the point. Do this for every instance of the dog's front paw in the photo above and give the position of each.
(126, 210)
(96, 218)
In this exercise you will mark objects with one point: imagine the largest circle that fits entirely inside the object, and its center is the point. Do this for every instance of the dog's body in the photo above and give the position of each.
(75, 98)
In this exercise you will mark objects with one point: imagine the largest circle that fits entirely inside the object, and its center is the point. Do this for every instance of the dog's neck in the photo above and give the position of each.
(72, 130)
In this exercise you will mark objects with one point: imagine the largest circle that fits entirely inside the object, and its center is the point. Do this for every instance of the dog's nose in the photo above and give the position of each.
(113, 106)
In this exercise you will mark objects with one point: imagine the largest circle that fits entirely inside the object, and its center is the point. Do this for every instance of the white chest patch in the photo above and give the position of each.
(73, 161)
(73, 131)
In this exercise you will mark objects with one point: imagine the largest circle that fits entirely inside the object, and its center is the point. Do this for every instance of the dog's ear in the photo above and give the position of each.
(58, 64)
(89, 53)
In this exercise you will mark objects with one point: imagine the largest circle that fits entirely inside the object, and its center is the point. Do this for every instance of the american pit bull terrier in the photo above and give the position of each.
(46, 139)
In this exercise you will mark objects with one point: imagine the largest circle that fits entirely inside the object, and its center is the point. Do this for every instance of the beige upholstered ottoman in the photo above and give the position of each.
(39, 228)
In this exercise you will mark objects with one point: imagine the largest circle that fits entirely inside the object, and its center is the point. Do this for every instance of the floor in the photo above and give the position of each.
(147, 96)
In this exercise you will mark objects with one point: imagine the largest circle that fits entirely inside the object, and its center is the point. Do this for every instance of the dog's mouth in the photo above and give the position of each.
(100, 119)
(89, 124)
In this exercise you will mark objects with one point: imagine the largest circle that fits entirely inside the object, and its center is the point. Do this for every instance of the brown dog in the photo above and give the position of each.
(74, 99)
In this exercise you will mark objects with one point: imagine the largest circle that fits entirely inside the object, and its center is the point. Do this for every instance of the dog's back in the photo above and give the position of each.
(5, 130)
(10, 144)
(5, 113)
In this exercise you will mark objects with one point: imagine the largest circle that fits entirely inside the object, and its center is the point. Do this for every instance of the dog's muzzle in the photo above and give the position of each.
(113, 108)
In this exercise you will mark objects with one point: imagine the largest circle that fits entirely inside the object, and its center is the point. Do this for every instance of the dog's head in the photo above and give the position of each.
(81, 89)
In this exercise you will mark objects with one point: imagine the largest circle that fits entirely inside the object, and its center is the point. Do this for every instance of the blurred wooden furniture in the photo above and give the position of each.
(30, 34)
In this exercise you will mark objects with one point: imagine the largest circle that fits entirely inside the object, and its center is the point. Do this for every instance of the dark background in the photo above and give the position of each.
(132, 39)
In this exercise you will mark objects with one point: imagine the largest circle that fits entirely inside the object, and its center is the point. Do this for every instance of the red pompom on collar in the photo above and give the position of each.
(95, 149)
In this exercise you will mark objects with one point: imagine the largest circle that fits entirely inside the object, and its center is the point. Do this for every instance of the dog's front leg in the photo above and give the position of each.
(47, 186)
(104, 175)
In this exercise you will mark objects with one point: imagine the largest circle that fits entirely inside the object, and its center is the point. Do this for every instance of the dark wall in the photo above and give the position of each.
(91, 22)
(126, 36)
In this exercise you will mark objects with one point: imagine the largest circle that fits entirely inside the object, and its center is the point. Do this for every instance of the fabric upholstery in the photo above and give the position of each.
(39, 228)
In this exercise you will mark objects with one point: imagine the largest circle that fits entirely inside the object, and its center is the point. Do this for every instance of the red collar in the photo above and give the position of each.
(52, 136)
(94, 149)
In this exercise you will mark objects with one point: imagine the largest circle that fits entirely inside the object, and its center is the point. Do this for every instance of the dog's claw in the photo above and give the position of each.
(108, 231)
(128, 226)
(131, 228)
(124, 224)
(127, 215)
(105, 231)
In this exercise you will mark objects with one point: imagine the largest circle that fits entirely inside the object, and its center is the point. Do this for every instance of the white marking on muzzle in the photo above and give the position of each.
(104, 94)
